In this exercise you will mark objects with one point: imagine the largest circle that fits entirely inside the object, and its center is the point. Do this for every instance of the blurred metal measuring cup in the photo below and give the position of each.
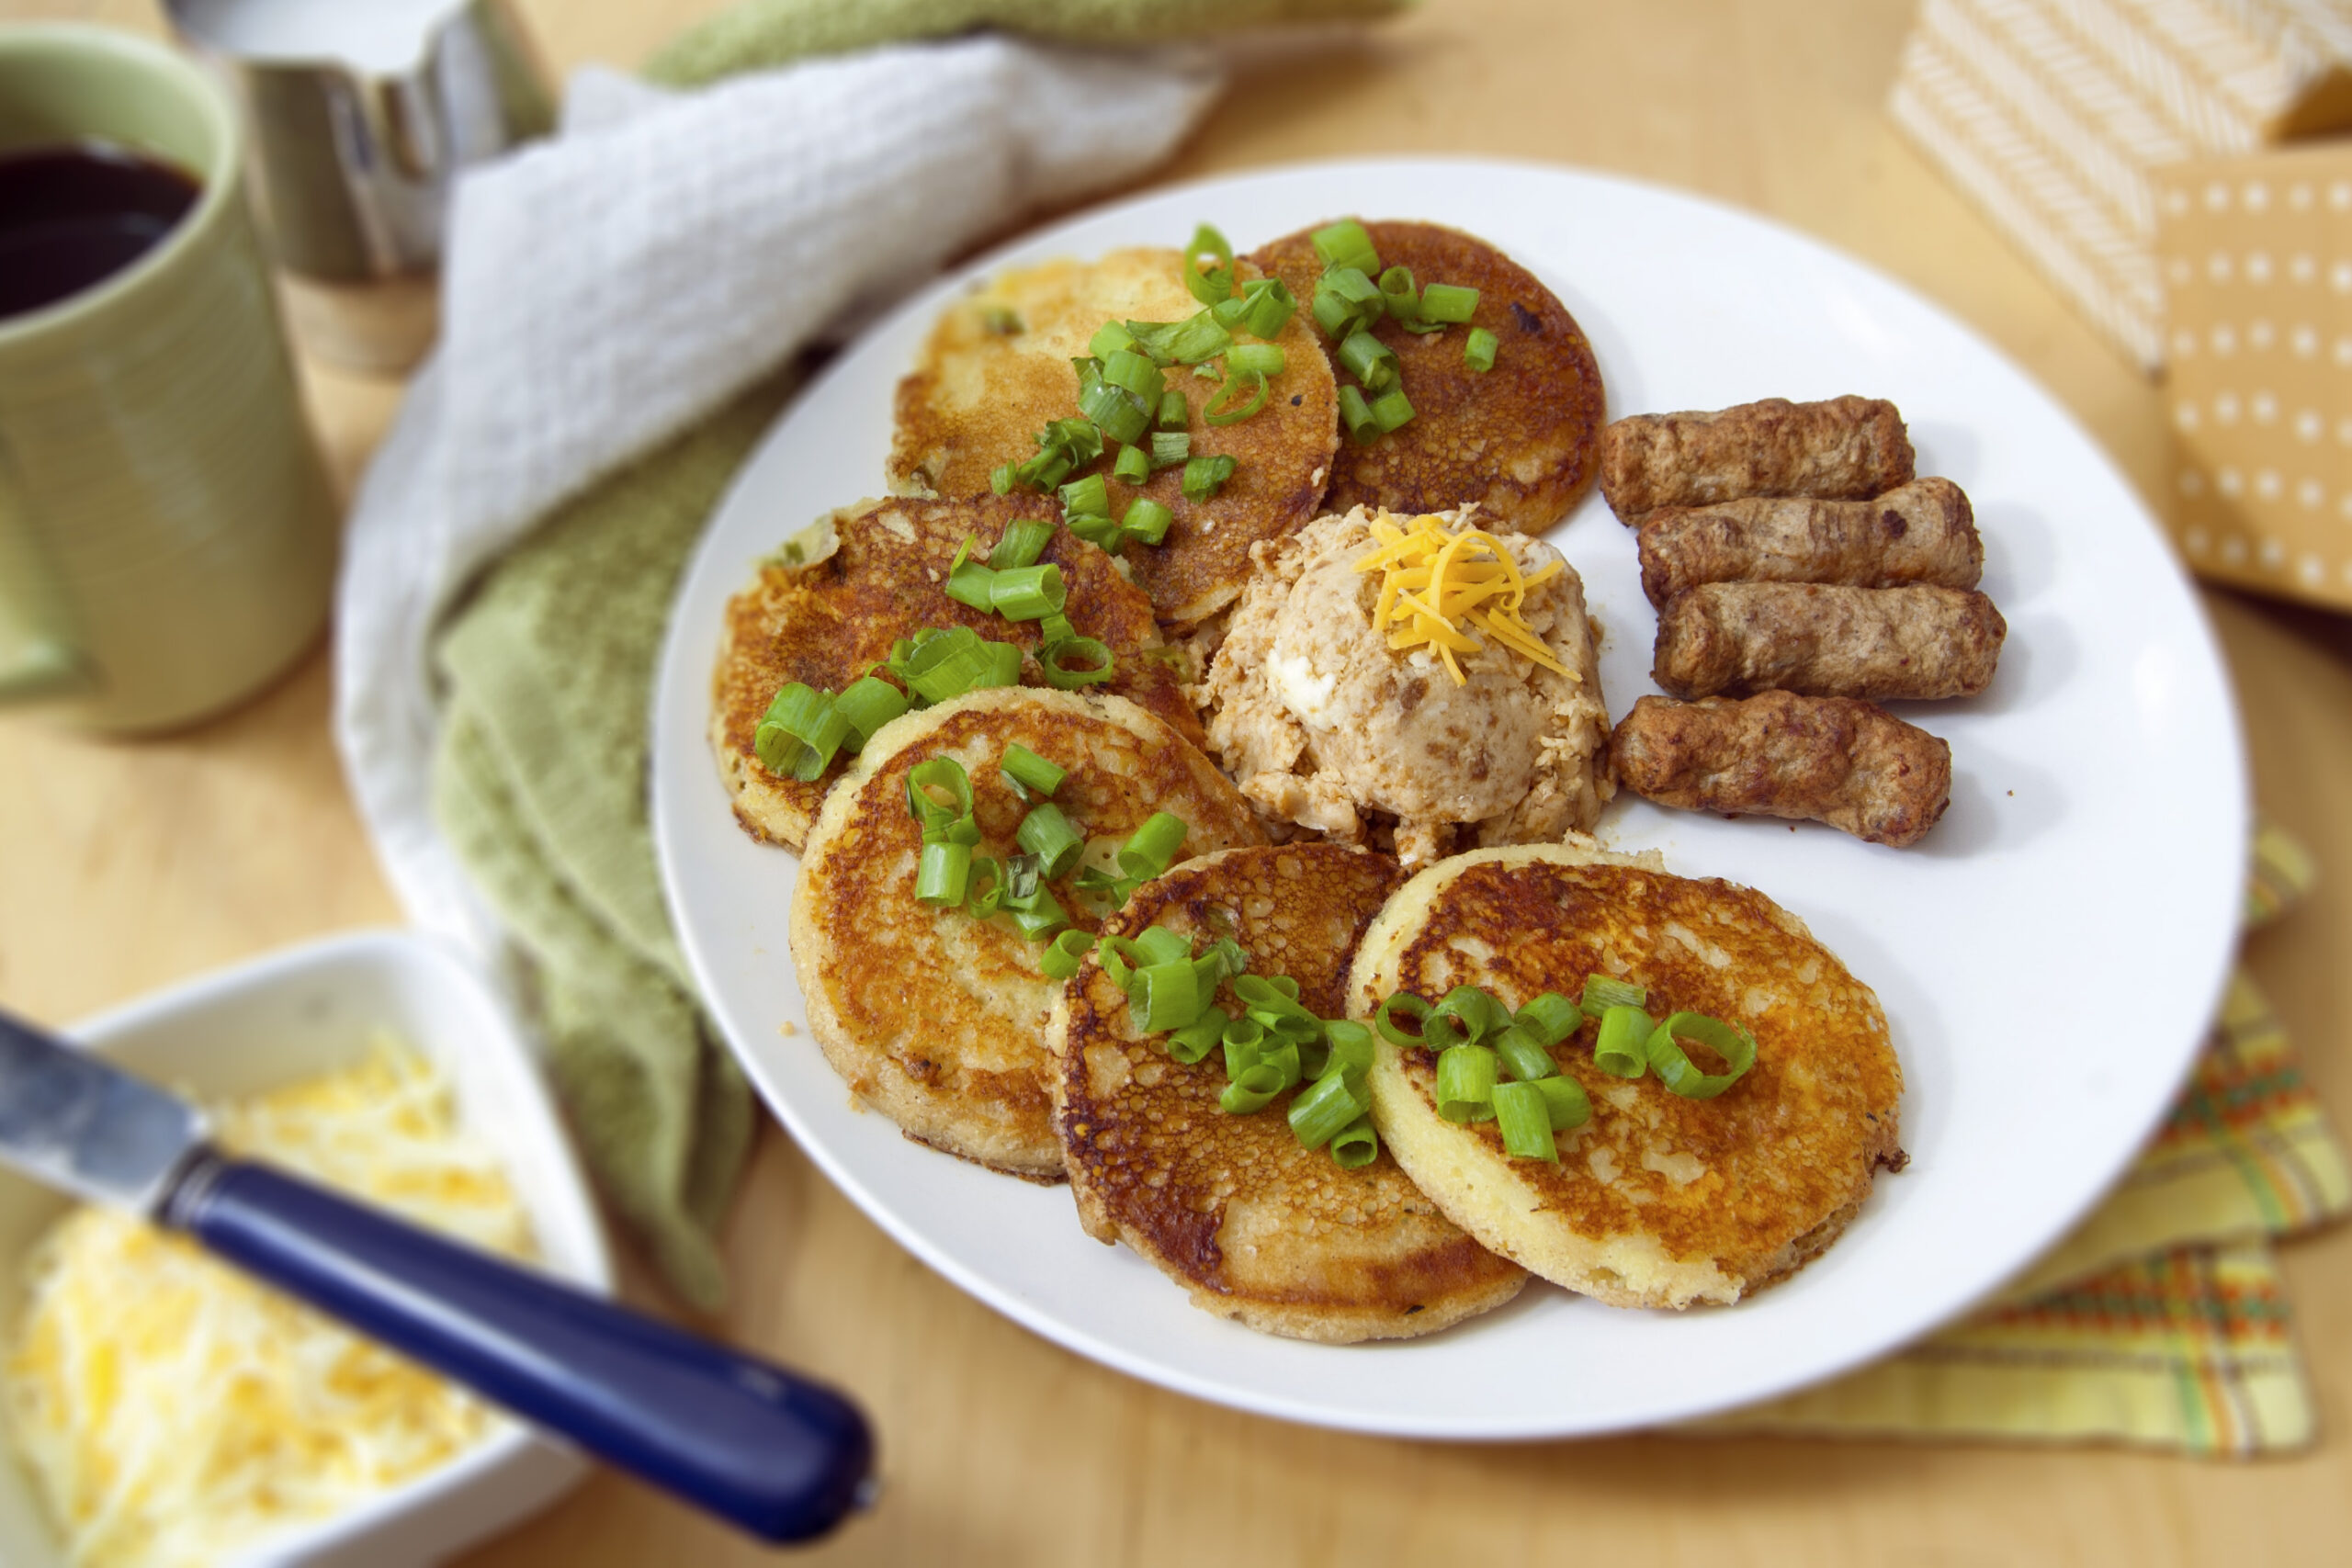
(359, 115)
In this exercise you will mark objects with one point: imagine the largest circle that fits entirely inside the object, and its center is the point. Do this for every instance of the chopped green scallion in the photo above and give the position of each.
(1357, 1145)
(1602, 992)
(1027, 592)
(1146, 520)
(1204, 476)
(1063, 677)
(1028, 774)
(1065, 953)
(1047, 834)
(941, 874)
(1133, 466)
(1024, 540)
(1220, 410)
(1355, 414)
(1466, 1084)
(1346, 244)
(1369, 360)
(1673, 1065)
(1392, 408)
(1620, 1048)
(1322, 1112)
(1449, 302)
(1525, 1121)
(1265, 358)
(1478, 349)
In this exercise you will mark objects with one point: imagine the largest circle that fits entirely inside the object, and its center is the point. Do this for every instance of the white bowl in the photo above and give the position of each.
(298, 1014)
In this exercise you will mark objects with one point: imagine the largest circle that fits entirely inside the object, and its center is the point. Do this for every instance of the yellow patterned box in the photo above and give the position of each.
(2057, 118)
(2255, 256)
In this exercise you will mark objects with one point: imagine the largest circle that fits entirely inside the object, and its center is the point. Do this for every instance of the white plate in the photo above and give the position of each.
(2047, 957)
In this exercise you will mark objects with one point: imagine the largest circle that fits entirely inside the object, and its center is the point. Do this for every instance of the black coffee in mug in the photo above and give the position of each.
(73, 215)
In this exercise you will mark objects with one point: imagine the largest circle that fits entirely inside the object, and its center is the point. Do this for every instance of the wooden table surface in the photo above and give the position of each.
(128, 865)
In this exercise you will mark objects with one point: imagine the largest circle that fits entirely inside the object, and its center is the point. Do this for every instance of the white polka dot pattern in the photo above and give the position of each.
(2255, 257)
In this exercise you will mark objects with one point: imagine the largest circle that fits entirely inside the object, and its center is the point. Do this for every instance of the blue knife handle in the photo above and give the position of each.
(775, 1454)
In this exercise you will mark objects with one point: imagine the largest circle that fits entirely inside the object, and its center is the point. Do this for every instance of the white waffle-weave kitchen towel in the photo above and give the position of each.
(606, 289)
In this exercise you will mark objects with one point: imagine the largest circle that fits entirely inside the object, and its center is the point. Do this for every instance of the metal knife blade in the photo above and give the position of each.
(71, 1121)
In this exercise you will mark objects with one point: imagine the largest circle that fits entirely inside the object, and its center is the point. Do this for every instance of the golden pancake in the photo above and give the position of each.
(1521, 440)
(827, 623)
(938, 1020)
(1657, 1200)
(980, 394)
(1254, 1226)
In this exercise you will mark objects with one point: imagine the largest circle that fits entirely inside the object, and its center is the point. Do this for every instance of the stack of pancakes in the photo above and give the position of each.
(945, 1023)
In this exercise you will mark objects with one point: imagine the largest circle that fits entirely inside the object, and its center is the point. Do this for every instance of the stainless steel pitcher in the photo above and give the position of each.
(360, 114)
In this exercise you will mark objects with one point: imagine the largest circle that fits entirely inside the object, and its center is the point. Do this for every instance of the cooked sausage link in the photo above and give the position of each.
(1847, 448)
(1834, 759)
(1827, 641)
(1922, 531)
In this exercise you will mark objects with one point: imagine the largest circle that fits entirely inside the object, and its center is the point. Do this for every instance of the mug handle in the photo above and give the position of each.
(36, 662)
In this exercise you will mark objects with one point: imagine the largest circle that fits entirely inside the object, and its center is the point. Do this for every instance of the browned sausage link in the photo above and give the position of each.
(1834, 759)
(1922, 531)
(1847, 448)
(1826, 641)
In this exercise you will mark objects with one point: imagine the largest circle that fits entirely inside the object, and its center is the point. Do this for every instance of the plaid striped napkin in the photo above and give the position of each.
(2162, 1322)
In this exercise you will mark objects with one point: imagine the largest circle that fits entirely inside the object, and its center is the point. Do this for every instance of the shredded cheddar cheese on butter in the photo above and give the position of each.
(175, 1412)
(1438, 582)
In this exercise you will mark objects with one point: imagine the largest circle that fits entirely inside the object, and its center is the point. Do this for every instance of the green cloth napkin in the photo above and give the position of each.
(539, 780)
(770, 32)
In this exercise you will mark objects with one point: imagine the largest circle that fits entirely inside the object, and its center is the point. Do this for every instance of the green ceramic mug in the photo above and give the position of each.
(168, 533)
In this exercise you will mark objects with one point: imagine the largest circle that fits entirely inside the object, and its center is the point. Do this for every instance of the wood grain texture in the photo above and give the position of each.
(128, 866)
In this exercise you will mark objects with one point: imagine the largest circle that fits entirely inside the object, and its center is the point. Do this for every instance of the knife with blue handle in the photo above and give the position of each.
(779, 1456)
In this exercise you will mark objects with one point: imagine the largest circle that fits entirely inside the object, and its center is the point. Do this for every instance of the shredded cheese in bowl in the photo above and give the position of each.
(175, 1412)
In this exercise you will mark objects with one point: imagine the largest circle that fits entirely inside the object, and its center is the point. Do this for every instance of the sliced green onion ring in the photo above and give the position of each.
(984, 889)
(1046, 834)
(1023, 541)
(1265, 358)
(1565, 1099)
(1392, 409)
(1042, 918)
(1064, 954)
(1089, 496)
(1146, 520)
(1108, 339)
(1466, 1084)
(1217, 283)
(1525, 1120)
(868, 703)
(1347, 245)
(1472, 1010)
(1323, 1110)
(1166, 996)
(1063, 677)
(1673, 1065)
(1620, 1048)
(941, 874)
(1220, 410)
(1478, 349)
(1603, 992)
(1151, 848)
(938, 774)
(1027, 592)
(1170, 447)
(1252, 1092)
(1159, 945)
(1549, 1018)
(1114, 411)
(1355, 416)
(1357, 1145)
(1449, 302)
(1521, 1057)
(1369, 360)
(1270, 307)
(1204, 476)
(1198, 1038)
(1028, 774)
(1132, 467)
(1413, 1007)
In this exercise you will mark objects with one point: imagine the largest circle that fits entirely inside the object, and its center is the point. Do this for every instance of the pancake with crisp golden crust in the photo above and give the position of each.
(1521, 440)
(981, 391)
(938, 1020)
(1657, 1200)
(827, 623)
(1256, 1227)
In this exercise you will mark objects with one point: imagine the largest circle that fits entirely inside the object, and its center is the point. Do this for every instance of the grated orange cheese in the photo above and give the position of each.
(175, 1412)
(1437, 580)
